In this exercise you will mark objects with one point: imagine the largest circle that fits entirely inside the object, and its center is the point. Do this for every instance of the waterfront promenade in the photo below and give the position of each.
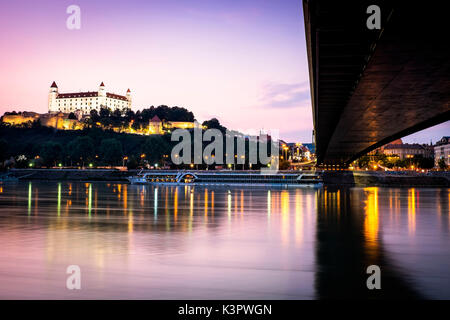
(347, 178)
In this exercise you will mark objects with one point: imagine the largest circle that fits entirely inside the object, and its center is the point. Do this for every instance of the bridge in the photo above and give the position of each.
(372, 86)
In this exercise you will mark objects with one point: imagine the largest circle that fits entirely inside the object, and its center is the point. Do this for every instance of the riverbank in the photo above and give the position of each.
(332, 178)
(73, 174)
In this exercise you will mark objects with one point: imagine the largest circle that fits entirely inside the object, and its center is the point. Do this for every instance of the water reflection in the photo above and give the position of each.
(216, 242)
(412, 210)
(371, 221)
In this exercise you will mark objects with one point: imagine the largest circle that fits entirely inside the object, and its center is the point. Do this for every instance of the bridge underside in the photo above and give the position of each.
(370, 87)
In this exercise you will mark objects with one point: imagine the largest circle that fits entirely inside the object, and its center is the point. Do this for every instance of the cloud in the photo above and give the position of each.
(285, 95)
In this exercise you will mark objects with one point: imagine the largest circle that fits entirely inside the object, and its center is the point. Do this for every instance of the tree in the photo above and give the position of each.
(442, 165)
(363, 162)
(3, 149)
(132, 163)
(82, 148)
(50, 152)
(111, 151)
(284, 165)
(94, 116)
(72, 116)
(214, 124)
(104, 112)
(180, 114)
(129, 115)
(136, 126)
(154, 148)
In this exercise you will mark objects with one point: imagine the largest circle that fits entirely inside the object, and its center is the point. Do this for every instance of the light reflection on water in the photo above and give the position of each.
(214, 242)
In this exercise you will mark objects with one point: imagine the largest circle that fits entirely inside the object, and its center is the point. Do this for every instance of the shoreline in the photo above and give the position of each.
(330, 178)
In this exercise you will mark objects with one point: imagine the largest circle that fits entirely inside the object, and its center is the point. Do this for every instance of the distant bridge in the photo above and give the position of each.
(370, 87)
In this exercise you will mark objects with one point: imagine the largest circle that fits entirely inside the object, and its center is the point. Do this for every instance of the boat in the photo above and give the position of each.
(251, 178)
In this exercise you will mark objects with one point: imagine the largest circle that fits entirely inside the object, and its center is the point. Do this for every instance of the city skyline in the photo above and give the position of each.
(218, 59)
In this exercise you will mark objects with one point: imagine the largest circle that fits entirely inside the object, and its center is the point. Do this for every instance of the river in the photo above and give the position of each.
(166, 242)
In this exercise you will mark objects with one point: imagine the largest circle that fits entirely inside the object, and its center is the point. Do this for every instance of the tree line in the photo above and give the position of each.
(47, 147)
(418, 161)
(117, 118)
(39, 146)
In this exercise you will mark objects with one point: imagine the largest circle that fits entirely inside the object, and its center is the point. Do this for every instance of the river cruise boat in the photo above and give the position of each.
(182, 177)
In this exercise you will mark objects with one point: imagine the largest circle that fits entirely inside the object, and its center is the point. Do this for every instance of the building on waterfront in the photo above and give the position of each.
(86, 101)
(442, 151)
(311, 147)
(380, 150)
(407, 150)
(297, 152)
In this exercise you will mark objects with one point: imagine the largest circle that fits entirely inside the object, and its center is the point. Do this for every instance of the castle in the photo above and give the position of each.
(60, 105)
(84, 102)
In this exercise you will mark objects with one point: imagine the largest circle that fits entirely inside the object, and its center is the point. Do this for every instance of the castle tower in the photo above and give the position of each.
(102, 96)
(52, 95)
(102, 90)
(129, 98)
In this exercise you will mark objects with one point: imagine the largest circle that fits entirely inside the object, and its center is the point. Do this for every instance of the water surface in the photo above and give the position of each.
(168, 242)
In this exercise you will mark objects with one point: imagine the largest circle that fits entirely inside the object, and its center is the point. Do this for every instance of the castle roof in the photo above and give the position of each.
(54, 85)
(90, 94)
(116, 96)
(78, 95)
(102, 84)
(155, 119)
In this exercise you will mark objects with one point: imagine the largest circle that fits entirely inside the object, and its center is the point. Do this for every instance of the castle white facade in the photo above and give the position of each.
(86, 101)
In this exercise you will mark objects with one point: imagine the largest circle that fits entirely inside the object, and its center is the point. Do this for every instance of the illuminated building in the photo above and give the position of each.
(406, 150)
(86, 101)
(155, 126)
(442, 151)
(15, 119)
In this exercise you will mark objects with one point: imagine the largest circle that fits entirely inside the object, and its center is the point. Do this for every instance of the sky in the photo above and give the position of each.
(241, 61)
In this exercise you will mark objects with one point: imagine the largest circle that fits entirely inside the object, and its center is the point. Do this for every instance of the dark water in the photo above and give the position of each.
(206, 243)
